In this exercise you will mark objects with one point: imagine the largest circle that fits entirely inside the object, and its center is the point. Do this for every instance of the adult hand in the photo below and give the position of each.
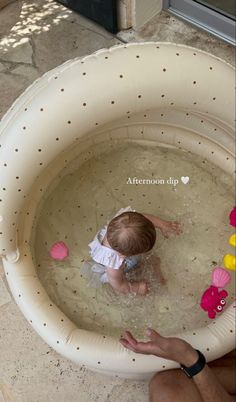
(168, 348)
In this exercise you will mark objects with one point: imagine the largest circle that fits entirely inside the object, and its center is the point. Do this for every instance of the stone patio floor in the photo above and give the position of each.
(36, 36)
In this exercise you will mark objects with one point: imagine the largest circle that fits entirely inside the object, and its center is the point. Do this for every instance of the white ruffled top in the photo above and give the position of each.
(105, 255)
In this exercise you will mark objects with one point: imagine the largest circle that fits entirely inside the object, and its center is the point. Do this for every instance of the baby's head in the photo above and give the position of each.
(131, 233)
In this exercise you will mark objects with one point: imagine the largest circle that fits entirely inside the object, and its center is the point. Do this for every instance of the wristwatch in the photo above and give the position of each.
(196, 367)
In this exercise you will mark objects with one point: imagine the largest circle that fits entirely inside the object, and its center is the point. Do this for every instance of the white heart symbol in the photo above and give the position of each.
(185, 179)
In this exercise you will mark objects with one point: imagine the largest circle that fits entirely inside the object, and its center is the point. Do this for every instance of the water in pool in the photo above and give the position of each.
(88, 196)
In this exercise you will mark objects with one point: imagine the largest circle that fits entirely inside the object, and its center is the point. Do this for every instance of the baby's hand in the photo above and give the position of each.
(169, 228)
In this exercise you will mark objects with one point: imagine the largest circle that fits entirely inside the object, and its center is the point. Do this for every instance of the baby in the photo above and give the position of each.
(118, 246)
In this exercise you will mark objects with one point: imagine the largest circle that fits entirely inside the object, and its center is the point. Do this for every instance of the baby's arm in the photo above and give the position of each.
(118, 281)
(166, 227)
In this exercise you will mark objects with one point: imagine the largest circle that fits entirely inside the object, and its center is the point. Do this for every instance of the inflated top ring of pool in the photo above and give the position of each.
(116, 93)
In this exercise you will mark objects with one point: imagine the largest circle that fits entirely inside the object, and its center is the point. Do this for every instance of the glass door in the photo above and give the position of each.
(214, 16)
(225, 7)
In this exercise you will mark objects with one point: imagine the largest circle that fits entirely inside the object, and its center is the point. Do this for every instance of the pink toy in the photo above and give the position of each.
(232, 217)
(220, 277)
(213, 301)
(59, 251)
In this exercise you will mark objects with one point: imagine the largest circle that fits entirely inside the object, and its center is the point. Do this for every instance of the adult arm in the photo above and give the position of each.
(183, 353)
(210, 388)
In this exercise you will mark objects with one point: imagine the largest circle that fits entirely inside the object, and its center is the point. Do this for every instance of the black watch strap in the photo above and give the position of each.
(196, 367)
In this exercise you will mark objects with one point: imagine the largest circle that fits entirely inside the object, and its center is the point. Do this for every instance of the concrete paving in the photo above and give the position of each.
(167, 28)
(36, 36)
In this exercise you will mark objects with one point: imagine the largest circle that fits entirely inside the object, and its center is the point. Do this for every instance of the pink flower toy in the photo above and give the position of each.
(59, 251)
(213, 299)
(232, 217)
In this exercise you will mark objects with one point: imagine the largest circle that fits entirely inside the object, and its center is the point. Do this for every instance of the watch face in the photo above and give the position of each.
(185, 371)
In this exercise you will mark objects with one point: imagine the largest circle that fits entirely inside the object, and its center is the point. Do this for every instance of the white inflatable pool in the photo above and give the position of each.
(112, 94)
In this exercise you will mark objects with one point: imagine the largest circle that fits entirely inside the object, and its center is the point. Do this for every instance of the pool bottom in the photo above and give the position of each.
(148, 179)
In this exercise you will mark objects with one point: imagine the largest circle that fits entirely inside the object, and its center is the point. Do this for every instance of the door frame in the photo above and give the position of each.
(203, 17)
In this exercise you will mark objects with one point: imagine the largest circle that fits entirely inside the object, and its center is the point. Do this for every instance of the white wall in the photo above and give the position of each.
(144, 10)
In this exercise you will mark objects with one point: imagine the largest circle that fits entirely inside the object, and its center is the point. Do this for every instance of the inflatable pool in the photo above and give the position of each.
(152, 93)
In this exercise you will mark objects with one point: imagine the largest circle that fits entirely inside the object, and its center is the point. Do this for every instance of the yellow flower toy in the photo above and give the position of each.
(232, 240)
(230, 261)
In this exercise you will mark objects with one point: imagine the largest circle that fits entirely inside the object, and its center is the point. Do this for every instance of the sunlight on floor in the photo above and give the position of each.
(33, 18)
